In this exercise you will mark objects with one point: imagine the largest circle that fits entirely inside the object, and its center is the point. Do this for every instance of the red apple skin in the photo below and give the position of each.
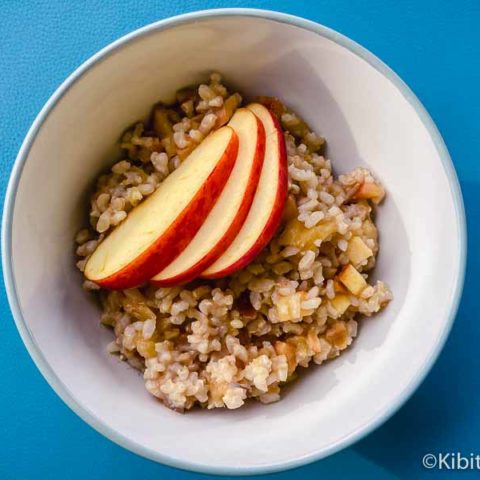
(169, 245)
(234, 228)
(275, 219)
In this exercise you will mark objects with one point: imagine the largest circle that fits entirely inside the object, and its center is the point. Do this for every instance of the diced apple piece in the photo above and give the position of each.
(296, 234)
(358, 251)
(160, 228)
(290, 307)
(282, 308)
(352, 279)
(339, 287)
(370, 191)
(369, 230)
(268, 203)
(146, 348)
(287, 349)
(340, 303)
(224, 222)
(337, 335)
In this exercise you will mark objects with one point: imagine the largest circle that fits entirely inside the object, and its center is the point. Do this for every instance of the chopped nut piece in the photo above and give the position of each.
(273, 104)
(169, 145)
(186, 94)
(226, 111)
(290, 210)
(245, 308)
(161, 122)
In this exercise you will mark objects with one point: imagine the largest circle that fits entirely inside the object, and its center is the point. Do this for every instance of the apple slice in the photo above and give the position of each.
(160, 228)
(267, 207)
(231, 209)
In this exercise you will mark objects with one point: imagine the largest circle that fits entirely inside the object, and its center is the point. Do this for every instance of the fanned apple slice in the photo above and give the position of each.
(231, 209)
(267, 207)
(160, 228)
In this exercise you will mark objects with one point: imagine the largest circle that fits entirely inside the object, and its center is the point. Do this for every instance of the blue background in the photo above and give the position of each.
(433, 45)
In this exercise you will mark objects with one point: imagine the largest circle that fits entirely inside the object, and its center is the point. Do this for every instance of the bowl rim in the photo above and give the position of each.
(6, 239)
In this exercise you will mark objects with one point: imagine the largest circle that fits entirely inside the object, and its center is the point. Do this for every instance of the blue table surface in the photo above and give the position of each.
(433, 45)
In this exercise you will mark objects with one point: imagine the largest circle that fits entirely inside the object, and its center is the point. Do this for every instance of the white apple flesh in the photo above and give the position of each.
(265, 213)
(231, 209)
(161, 227)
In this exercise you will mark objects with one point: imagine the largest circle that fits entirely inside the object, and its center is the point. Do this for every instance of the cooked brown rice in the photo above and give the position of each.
(217, 343)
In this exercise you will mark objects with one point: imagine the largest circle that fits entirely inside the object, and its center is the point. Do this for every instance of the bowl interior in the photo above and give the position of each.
(366, 120)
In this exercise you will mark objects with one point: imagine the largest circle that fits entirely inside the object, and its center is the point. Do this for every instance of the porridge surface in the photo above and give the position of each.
(215, 343)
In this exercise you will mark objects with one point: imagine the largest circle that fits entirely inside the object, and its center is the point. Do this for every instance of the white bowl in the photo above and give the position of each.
(369, 117)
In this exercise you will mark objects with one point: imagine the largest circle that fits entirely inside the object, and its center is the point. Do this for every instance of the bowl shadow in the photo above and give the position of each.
(434, 419)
